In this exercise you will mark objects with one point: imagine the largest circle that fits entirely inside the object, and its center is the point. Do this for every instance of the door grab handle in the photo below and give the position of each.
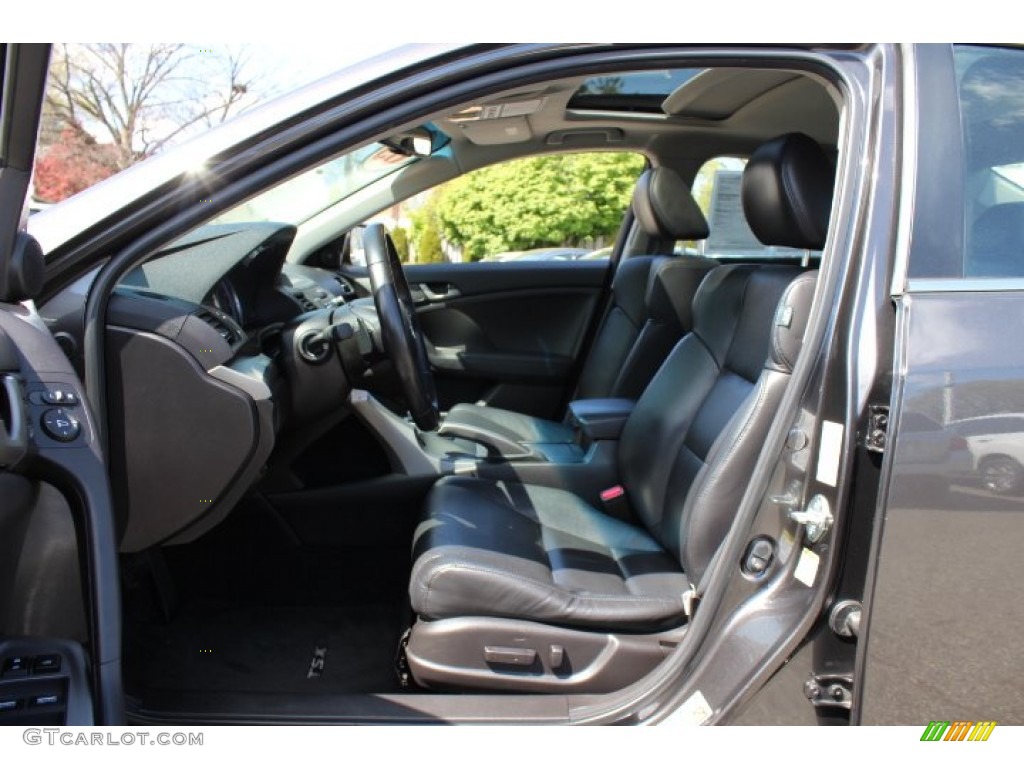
(450, 292)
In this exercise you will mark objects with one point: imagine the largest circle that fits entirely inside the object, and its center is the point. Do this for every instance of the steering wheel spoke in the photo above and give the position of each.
(399, 326)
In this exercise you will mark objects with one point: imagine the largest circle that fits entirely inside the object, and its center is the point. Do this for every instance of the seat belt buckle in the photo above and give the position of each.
(616, 503)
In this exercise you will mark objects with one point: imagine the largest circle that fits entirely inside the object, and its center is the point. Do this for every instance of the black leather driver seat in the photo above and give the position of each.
(531, 588)
(649, 312)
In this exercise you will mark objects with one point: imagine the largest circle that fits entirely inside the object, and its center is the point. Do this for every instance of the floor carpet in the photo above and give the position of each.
(252, 610)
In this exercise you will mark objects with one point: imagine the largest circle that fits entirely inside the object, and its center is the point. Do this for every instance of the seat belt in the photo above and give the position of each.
(692, 596)
(601, 310)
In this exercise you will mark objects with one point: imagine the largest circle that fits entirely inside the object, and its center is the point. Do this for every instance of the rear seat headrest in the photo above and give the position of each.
(671, 287)
(791, 322)
(787, 192)
(665, 208)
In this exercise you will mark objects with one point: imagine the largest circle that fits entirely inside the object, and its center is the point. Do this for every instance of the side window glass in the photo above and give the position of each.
(716, 188)
(560, 208)
(991, 88)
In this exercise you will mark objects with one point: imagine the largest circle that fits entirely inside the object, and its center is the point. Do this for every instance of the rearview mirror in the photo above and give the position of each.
(416, 142)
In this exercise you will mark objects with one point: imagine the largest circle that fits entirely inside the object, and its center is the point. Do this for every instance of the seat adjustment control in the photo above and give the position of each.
(557, 656)
(517, 657)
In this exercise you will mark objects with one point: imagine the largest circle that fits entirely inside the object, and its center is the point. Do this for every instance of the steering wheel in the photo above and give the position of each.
(403, 340)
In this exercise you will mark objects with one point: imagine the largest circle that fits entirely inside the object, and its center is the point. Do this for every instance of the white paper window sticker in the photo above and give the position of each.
(694, 711)
(807, 567)
(830, 450)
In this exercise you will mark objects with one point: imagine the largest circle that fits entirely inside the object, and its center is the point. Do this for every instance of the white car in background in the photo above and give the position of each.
(995, 443)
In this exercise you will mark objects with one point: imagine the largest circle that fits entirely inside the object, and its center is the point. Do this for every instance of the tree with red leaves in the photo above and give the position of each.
(75, 162)
(110, 105)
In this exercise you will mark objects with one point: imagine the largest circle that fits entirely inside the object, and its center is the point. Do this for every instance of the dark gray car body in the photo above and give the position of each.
(929, 555)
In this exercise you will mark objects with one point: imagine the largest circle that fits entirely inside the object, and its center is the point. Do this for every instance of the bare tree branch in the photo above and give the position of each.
(143, 97)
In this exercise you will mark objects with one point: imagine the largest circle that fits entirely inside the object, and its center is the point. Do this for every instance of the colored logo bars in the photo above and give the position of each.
(958, 730)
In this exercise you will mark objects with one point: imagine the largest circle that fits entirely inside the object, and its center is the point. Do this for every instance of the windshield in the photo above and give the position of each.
(304, 196)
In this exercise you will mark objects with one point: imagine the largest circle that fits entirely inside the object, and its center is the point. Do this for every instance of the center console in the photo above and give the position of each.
(583, 463)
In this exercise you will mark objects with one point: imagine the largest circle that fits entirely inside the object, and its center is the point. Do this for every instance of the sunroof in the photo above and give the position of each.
(630, 91)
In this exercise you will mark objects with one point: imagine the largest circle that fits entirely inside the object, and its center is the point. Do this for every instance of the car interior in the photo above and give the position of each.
(339, 478)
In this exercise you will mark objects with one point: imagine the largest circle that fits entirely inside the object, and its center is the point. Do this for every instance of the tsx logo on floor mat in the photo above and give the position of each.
(316, 664)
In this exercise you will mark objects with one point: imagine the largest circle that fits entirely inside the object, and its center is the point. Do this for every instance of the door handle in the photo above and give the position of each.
(449, 291)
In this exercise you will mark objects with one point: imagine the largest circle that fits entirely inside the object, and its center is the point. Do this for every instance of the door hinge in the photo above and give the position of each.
(830, 691)
(878, 428)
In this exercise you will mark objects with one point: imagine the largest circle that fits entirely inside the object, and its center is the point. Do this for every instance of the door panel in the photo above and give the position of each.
(506, 333)
(947, 591)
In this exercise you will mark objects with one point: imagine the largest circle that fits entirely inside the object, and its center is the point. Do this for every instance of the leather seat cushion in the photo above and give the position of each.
(509, 424)
(489, 548)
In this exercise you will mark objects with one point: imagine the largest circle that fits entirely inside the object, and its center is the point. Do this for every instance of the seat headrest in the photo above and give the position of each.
(665, 208)
(787, 192)
(791, 322)
(996, 244)
(671, 287)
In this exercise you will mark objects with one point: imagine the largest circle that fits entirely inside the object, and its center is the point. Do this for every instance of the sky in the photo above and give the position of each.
(287, 65)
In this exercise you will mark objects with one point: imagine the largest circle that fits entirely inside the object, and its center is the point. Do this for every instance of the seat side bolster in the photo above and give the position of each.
(455, 581)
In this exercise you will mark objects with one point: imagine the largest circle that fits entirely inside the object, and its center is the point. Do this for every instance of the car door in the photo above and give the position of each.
(507, 333)
(59, 610)
(943, 614)
(507, 327)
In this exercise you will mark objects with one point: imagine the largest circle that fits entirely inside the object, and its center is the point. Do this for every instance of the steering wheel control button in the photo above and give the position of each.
(16, 666)
(61, 425)
(46, 664)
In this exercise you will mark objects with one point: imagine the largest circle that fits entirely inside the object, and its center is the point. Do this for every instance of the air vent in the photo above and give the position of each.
(220, 324)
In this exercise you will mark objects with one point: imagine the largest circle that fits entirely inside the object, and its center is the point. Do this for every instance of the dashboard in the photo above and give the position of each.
(199, 376)
(240, 270)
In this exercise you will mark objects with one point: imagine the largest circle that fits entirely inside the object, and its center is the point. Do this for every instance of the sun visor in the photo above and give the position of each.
(504, 130)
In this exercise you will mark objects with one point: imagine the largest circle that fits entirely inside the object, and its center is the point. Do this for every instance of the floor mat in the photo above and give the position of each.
(214, 646)
(252, 610)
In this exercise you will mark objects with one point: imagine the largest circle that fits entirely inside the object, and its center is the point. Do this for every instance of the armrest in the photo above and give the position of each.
(600, 419)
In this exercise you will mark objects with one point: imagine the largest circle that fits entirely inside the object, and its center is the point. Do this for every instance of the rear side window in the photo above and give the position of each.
(716, 188)
(991, 90)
